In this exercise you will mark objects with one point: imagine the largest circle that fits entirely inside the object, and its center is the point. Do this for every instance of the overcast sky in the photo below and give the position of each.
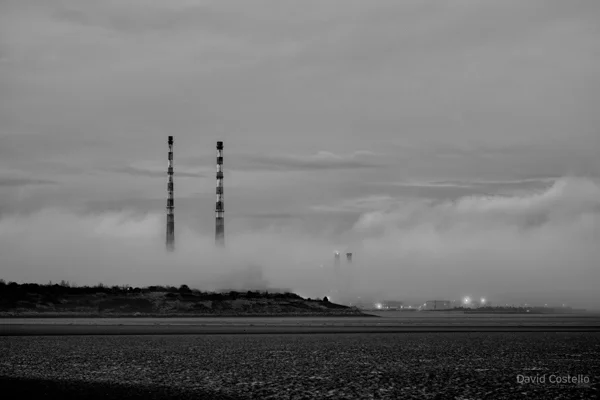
(454, 142)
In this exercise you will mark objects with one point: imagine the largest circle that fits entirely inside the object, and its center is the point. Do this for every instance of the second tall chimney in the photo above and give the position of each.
(220, 208)
(170, 201)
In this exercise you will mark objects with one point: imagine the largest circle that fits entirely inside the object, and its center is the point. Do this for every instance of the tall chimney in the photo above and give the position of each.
(170, 202)
(220, 208)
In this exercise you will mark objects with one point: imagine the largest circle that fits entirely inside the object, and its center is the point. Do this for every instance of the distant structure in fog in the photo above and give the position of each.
(392, 305)
(438, 305)
(336, 261)
(170, 202)
(220, 208)
(349, 258)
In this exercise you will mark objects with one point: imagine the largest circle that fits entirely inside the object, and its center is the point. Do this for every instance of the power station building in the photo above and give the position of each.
(336, 261)
(392, 305)
(438, 305)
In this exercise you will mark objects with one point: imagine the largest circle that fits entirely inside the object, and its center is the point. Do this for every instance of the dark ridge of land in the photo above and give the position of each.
(214, 315)
(362, 366)
(64, 300)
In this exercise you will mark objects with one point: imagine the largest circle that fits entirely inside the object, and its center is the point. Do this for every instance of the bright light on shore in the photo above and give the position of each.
(467, 300)
(482, 300)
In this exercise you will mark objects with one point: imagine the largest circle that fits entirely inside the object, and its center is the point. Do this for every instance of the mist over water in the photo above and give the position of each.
(541, 246)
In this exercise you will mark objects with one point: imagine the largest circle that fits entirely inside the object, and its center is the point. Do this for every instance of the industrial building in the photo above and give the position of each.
(438, 305)
(392, 305)
(336, 261)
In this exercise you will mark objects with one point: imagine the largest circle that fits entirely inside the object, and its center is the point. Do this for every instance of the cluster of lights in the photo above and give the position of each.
(467, 300)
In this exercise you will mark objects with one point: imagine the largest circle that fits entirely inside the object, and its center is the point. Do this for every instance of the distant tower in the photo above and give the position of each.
(170, 203)
(349, 274)
(336, 261)
(220, 208)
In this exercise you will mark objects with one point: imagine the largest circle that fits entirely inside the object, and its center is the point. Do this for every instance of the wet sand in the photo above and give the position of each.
(386, 323)
(298, 366)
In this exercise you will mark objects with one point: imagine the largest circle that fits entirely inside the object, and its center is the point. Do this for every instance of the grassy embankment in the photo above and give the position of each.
(64, 300)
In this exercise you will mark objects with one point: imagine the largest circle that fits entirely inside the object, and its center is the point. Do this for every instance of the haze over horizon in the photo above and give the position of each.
(452, 147)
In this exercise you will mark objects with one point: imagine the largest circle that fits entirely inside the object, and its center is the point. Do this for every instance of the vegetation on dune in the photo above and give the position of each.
(163, 300)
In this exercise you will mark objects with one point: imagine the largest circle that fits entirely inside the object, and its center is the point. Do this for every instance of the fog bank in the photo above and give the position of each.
(541, 245)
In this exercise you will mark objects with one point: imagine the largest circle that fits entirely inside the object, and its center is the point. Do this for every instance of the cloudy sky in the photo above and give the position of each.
(451, 145)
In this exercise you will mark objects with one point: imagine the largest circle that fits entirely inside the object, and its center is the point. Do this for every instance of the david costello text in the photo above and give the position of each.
(554, 379)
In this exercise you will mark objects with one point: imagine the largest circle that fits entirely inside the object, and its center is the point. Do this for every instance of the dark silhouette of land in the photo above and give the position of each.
(59, 300)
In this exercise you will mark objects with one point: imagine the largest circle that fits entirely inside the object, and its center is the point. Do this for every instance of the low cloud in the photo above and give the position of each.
(456, 189)
(542, 245)
(474, 183)
(125, 247)
(15, 181)
(156, 173)
(323, 160)
(271, 216)
(362, 204)
(539, 242)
